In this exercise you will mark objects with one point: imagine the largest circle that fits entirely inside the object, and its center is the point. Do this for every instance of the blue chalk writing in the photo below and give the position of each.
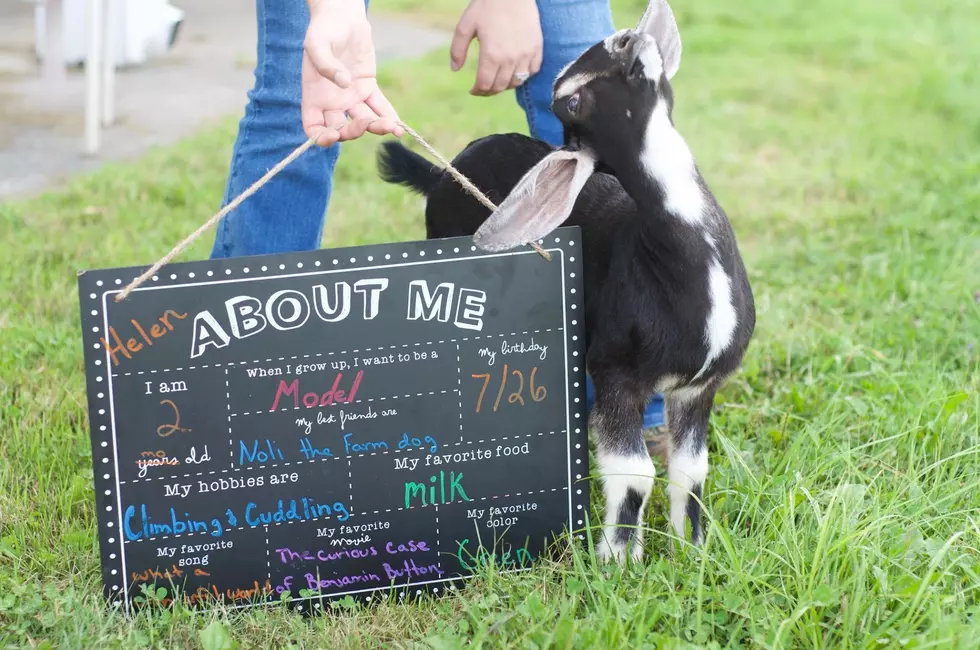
(362, 447)
(268, 452)
(311, 452)
(407, 442)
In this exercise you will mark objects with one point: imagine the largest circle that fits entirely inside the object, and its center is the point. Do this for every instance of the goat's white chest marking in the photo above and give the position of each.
(667, 159)
(719, 329)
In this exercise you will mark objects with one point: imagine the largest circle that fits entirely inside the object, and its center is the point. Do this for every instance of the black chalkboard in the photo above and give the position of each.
(358, 421)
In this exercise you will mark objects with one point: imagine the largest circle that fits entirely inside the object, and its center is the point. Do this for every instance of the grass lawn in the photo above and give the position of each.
(843, 139)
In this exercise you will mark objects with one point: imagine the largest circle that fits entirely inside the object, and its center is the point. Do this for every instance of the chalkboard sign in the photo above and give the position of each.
(359, 421)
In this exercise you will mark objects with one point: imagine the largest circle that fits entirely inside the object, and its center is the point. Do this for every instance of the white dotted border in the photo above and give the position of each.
(105, 476)
(580, 455)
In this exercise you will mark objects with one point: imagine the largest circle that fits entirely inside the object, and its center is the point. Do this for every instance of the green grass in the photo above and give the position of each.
(843, 139)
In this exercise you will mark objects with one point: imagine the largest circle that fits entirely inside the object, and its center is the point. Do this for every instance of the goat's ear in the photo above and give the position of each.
(539, 203)
(658, 21)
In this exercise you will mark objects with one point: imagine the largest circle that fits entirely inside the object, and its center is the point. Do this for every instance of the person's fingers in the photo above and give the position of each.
(536, 61)
(380, 105)
(334, 119)
(329, 66)
(486, 73)
(355, 128)
(504, 78)
(328, 138)
(523, 65)
(315, 123)
(325, 136)
(383, 108)
(384, 126)
(462, 37)
(362, 113)
(312, 120)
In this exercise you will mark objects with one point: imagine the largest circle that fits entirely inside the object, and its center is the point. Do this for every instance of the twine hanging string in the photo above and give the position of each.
(257, 185)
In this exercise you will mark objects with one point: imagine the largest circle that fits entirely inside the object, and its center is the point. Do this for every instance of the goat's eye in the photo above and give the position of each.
(572, 104)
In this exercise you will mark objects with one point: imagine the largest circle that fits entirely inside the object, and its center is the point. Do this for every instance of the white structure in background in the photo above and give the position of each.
(104, 35)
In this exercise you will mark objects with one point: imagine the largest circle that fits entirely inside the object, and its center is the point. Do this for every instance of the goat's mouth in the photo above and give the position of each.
(573, 140)
(574, 143)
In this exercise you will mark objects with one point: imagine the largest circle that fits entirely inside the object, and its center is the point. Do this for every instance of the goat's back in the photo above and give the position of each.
(647, 293)
(495, 164)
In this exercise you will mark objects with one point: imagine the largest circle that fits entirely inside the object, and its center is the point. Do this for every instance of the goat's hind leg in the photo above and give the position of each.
(626, 470)
(688, 412)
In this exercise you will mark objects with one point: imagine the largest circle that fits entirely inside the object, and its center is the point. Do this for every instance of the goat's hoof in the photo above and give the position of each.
(608, 552)
(675, 544)
(605, 552)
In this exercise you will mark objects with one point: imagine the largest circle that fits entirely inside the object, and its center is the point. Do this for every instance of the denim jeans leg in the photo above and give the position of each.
(287, 214)
(569, 27)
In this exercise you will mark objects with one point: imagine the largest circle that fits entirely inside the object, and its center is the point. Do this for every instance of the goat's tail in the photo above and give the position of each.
(399, 164)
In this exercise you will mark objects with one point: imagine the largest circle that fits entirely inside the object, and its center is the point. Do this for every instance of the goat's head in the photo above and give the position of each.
(605, 100)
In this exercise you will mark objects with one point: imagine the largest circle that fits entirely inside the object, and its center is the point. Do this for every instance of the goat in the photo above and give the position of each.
(668, 306)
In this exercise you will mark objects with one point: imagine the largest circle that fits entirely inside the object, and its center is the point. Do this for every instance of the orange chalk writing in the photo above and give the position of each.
(536, 392)
(165, 430)
(155, 574)
(133, 344)
(156, 458)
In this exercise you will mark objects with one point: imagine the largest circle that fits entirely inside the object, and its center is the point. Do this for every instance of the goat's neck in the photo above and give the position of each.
(666, 181)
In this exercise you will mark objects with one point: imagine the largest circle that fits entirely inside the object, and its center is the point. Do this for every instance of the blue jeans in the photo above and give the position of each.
(287, 215)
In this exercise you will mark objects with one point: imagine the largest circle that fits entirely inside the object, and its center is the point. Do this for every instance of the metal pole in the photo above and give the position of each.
(109, 63)
(93, 76)
(54, 60)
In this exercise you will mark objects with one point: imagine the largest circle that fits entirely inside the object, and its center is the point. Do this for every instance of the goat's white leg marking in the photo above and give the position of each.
(686, 471)
(689, 409)
(627, 482)
(719, 328)
(626, 472)
(668, 160)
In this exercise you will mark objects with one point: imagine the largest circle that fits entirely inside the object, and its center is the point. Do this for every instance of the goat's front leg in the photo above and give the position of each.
(688, 411)
(625, 468)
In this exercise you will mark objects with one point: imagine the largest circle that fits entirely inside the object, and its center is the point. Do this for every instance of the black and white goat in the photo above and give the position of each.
(668, 307)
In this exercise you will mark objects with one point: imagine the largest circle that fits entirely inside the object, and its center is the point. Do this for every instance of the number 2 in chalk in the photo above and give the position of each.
(538, 393)
(165, 430)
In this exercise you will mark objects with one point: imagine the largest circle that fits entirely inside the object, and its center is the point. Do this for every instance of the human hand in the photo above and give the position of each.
(510, 38)
(340, 76)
